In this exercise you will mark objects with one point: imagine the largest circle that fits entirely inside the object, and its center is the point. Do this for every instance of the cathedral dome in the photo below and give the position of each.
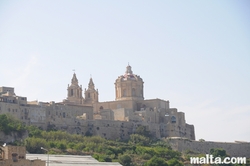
(128, 75)
(129, 86)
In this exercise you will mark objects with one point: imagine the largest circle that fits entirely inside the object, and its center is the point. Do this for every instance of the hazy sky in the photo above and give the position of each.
(196, 54)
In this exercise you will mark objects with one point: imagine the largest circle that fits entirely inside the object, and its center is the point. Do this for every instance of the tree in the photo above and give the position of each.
(201, 140)
(218, 152)
(9, 124)
(156, 162)
(34, 131)
(174, 162)
(139, 139)
(125, 160)
(142, 130)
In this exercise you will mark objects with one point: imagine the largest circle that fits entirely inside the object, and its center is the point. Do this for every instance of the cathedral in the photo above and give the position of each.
(83, 113)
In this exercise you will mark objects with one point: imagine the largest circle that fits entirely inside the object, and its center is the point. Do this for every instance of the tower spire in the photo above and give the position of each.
(74, 91)
(74, 80)
(91, 84)
(91, 95)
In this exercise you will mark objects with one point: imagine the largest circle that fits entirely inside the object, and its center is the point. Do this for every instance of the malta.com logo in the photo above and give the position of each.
(210, 159)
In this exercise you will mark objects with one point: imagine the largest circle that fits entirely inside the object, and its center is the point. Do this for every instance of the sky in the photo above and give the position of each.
(196, 54)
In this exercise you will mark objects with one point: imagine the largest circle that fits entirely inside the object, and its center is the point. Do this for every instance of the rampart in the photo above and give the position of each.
(234, 149)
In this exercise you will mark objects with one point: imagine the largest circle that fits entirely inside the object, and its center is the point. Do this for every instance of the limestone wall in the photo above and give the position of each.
(11, 108)
(129, 104)
(37, 114)
(119, 114)
(112, 129)
(22, 162)
(63, 116)
(232, 149)
(20, 152)
(156, 103)
(117, 120)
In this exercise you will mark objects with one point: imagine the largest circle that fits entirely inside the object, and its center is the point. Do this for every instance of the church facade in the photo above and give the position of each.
(82, 112)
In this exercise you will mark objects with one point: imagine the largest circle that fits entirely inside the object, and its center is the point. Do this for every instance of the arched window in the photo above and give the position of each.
(88, 95)
(72, 92)
(124, 93)
(101, 108)
(133, 92)
(173, 119)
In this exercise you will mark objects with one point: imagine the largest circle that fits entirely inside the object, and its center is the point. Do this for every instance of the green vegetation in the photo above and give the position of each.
(9, 124)
(219, 153)
(139, 150)
(155, 161)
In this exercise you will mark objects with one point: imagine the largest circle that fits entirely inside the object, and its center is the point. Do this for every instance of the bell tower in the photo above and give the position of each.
(129, 86)
(75, 92)
(91, 94)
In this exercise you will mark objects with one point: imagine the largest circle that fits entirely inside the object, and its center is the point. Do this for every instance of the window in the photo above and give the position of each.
(14, 157)
(124, 93)
(133, 92)
(173, 119)
(88, 95)
(72, 92)
(64, 115)
(21, 157)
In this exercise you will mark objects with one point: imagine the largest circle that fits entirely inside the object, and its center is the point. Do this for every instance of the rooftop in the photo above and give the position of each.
(69, 160)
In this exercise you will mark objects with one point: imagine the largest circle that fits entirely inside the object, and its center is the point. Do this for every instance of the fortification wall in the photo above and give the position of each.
(118, 123)
(234, 149)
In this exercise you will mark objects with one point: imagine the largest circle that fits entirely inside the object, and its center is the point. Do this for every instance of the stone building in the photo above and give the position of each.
(16, 156)
(112, 120)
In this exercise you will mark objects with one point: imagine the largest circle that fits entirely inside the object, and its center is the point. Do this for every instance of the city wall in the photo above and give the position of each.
(234, 149)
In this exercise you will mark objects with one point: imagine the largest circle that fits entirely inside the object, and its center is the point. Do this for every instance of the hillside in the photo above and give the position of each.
(138, 150)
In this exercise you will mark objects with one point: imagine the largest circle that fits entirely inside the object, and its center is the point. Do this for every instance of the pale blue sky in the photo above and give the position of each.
(196, 54)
